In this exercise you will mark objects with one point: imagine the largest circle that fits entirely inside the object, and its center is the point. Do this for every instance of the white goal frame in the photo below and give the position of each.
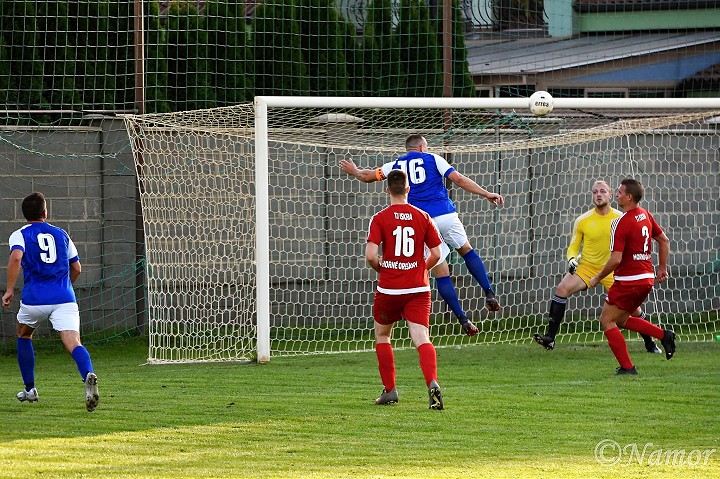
(264, 103)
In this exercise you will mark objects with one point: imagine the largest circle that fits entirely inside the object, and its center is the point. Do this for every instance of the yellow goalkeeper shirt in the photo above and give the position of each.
(591, 232)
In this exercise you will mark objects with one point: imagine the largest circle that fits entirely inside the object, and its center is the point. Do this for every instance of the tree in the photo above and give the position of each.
(156, 63)
(232, 69)
(56, 48)
(381, 51)
(419, 51)
(279, 64)
(462, 83)
(321, 37)
(20, 38)
(7, 84)
(353, 58)
(119, 43)
(188, 66)
(95, 78)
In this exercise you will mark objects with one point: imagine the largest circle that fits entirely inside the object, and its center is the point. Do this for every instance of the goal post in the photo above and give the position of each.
(286, 275)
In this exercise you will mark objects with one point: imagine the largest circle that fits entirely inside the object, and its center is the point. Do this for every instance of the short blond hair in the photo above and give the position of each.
(601, 182)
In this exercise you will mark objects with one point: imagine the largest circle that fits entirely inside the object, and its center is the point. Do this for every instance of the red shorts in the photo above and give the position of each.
(414, 307)
(628, 296)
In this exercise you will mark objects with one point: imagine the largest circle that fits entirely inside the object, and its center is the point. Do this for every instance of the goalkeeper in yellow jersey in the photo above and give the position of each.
(591, 234)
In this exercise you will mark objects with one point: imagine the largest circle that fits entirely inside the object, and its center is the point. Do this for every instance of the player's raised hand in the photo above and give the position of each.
(349, 166)
(366, 175)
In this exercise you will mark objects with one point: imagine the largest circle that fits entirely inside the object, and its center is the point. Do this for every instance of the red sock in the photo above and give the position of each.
(428, 362)
(619, 347)
(386, 365)
(643, 326)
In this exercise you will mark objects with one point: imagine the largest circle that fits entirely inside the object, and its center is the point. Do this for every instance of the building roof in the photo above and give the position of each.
(537, 56)
(639, 5)
(711, 73)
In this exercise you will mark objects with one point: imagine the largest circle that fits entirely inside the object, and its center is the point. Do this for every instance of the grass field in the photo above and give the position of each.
(511, 411)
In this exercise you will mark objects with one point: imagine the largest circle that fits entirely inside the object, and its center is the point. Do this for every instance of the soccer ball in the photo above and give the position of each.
(541, 103)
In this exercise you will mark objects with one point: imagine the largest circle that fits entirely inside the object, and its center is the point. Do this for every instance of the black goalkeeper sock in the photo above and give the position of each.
(557, 313)
(649, 343)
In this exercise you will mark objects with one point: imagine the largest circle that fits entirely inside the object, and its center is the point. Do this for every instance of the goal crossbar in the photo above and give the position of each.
(483, 103)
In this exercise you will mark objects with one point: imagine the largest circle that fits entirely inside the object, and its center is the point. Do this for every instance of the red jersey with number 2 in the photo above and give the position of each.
(403, 231)
(632, 233)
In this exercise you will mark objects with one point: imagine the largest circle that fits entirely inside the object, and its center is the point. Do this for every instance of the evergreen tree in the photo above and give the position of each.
(21, 38)
(381, 51)
(7, 85)
(95, 79)
(279, 64)
(188, 66)
(321, 38)
(232, 70)
(120, 55)
(59, 56)
(156, 62)
(353, 58)
(419, 51)
(463, 84)
(9, 89)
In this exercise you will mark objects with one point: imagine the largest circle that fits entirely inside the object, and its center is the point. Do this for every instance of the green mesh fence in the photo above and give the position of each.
(67, 67)
(88, 176)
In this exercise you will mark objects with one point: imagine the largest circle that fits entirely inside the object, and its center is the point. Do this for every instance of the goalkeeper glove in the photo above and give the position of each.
(572, 265)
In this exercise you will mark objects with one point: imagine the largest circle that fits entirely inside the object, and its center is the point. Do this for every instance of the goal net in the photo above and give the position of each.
(255, 237)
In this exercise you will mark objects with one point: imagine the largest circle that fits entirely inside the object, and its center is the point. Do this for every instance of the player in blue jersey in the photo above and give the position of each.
(427, 172)
(50, 265)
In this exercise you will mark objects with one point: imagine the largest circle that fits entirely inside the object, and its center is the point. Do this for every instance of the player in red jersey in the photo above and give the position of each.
(403, 289)
(631, 262)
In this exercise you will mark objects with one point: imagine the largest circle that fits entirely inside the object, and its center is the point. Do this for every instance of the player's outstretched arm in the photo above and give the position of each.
(349, 167)
(472, 187)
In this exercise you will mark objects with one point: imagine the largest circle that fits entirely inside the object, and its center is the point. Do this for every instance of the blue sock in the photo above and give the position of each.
(82, 358)
(26, 361)
(475, 264)
(449, 295)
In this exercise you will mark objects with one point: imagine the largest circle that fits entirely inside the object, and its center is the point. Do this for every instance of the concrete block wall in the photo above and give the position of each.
(319, 219)
(88, 177)
(524, 242)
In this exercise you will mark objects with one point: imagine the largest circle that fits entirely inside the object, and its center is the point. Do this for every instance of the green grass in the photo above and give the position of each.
(511, 411)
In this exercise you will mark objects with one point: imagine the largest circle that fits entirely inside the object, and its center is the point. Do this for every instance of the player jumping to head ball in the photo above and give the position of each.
(426, 173)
